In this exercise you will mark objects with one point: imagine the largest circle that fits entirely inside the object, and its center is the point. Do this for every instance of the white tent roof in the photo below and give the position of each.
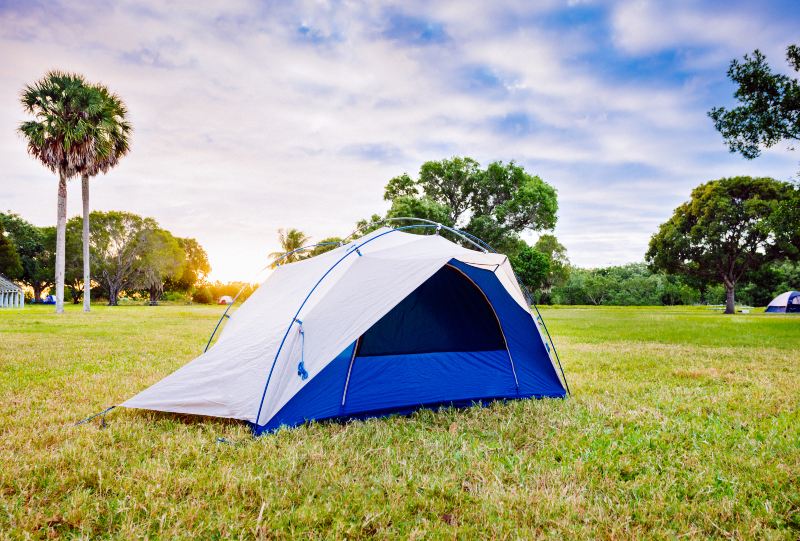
(340, 301)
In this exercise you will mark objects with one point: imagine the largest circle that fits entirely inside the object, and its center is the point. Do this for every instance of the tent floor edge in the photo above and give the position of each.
(270, 428)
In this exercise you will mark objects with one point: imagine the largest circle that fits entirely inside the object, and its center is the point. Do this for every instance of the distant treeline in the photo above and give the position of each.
(131, 258)
(636, 285)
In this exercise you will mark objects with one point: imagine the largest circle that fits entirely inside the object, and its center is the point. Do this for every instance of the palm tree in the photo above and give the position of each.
(110, 132)
(290, 240)
(60, 136)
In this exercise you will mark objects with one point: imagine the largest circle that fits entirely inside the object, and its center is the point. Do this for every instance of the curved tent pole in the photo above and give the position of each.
(430, 224)
(354, 250)
(276, 262)
(465, 236)
(550, 339)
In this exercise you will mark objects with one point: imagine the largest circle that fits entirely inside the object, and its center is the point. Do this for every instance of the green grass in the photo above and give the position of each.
(682, 423)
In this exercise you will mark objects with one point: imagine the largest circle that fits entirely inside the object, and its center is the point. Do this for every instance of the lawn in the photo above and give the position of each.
(683, 422)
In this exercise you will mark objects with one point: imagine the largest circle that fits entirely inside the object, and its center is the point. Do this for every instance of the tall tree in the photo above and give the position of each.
(726, 229)
(194, 270)
(769, 105)
(161, 259)
(290, 240)
(559, 264)
(36, 248)
(118, 245)
(531, 266)
(495, 204)
(60, 137)
(110, 134)
(453, 183)
(407, 206)
(10, 263)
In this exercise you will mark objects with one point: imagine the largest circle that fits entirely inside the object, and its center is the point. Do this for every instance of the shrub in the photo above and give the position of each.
(203, 296)
(175, 296)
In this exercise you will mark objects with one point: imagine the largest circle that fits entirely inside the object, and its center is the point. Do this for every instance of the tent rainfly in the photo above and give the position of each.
(389, 323)
(11, 295)
(785, 302)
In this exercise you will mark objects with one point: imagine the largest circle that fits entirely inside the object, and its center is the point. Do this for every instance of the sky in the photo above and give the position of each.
(250, 116)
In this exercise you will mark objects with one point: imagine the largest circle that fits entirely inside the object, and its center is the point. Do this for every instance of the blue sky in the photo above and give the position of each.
(250, 116)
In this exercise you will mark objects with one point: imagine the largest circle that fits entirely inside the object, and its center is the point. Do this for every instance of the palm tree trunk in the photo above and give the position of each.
(87, 277)
(61, 233)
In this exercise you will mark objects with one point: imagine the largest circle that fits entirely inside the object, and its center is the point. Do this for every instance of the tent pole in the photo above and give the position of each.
(276, 262)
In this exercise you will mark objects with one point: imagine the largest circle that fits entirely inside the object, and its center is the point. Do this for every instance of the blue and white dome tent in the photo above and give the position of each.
(387, 323)
(788, 302)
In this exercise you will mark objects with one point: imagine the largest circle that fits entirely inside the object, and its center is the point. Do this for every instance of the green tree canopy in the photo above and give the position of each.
(409, 206)
(531, 266)
(36, 249)
(117, 242)
(725, 230)
(161, 258)
(494, 203)
(558, 264)
(195, 268)
(10, 263)
(769, 105)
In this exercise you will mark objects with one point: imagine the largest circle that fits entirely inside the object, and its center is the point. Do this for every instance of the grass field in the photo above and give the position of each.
(683, 423)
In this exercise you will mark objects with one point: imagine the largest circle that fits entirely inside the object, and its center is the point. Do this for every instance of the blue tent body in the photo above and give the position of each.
(457, 340)
(788, 302)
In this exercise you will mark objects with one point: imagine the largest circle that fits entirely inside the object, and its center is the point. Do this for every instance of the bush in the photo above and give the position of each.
(714, 294)
(176, 296)
(627, 285)
(203, 296)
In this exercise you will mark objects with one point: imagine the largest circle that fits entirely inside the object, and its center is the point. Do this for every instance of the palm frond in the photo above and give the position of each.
(77, 128)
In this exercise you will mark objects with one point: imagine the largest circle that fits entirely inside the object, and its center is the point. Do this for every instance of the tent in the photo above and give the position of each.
(785, 302)
(388, 323)
(225, 299)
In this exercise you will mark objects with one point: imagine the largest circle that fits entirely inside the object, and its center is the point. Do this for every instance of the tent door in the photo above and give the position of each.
(444, 342)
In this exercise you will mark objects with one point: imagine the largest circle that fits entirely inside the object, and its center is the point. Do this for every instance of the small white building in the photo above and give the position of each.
(11, 295)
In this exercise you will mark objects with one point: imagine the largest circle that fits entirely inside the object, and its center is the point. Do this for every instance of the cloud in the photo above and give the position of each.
(642, 27)
(251, 116)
